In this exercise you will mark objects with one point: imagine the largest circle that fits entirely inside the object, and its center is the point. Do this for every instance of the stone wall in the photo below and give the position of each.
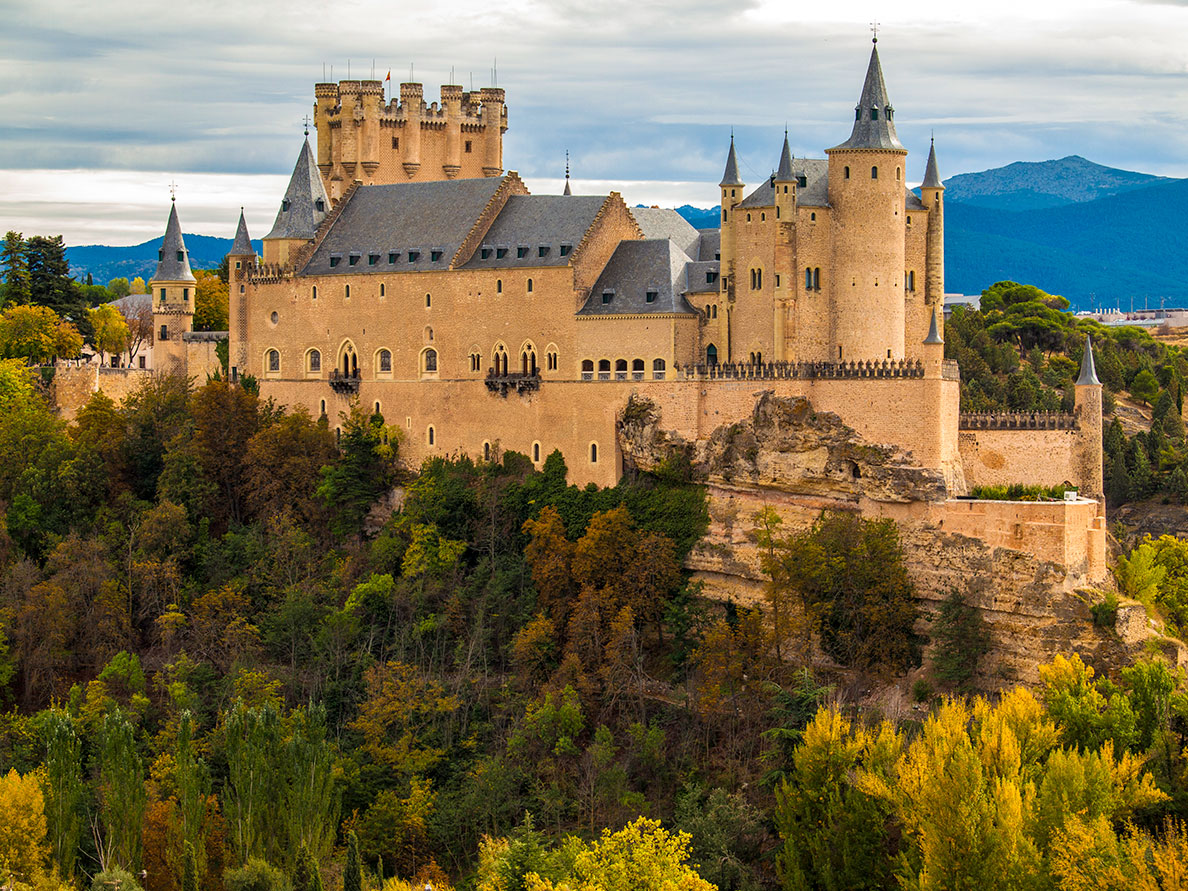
(73, 385)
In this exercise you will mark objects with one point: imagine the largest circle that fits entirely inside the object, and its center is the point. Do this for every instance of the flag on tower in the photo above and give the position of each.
(389, 77)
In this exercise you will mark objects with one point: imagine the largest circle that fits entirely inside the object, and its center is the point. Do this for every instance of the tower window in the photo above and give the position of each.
(382, 292)
(181, 255)
(498, 286)
(315, 360)
(874, 173)
(395, 142)
(385, 361)
(431, 360)
(593, 453)
(808, 278)
(529, 286)
(348, 292)
(847, 172)
(428, 300)
(874, 114)
(273, 360)
(315, 292)
(468, 146)
(284, 204)
(431, 436)
(536, 452)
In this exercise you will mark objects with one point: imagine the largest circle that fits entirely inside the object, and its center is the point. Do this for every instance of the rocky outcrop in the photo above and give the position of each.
(800, 462)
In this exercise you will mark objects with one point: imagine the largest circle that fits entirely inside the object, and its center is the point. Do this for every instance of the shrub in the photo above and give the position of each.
(255, 875)
(962, 638)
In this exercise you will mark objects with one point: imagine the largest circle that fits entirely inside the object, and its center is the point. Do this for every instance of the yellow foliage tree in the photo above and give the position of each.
(210, 301)
(23, 846)
(37, 334)
(111, 329)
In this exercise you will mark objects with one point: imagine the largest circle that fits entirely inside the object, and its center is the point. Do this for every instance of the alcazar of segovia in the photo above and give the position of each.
(406, 269)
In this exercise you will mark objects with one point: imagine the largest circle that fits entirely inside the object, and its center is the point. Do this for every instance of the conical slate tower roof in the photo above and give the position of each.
(299, 214)
(874, 124)
(784, 172)
(932, 178)
(730, 175)
(173, 260)
(933, 331)
(243, 243)
(1088, 376)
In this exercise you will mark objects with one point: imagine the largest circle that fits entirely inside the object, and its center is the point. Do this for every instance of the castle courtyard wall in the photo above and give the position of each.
(1027, 456)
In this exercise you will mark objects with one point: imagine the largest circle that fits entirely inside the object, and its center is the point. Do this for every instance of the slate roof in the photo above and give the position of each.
(709, 244)
(784, 171)
(635, 268)
(659, 222)
(243, 242)
(299, 216)
(532, 222)
(132, 304)
(173, 260)
(874, 124)
(695, 276)
(932, 178)
(912, 201)
(933, 331)
(424, 218)
(730, 175)
(1088, 376)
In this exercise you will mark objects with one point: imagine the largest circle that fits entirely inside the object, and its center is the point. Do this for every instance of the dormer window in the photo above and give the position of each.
(857, 114)
(522, 252)
(335, 259)
(393, 256)
(485, 253)
(606, 297)
(874, 114)
(890, 112)
(435, 256)
(650, 297)
(802, 181)
(181, 255)
(500, 253)
(413, 256)
(353, 259)
(565, 249)
(320, 205)
(284, 204)
(372, 259)
(542, 251)
(160, 255)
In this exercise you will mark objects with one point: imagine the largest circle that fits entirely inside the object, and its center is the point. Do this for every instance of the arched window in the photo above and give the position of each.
(377, 410)
(593, 453)
(529, 286)
(536, 453)
(658, 369)
(500, 367)
(382, 291)
(315, 361)
(714, 311)
(315, 292)
(847, 172)
(707, 311)
(808, 278)
(498, 286)
(348, 292)
(587, 369)
(813, 216)
(430, 360)
(897, 174)
(874, 172)
(429, 435)
(637, 369)
(604, 370)
(620, 369)
(711, 355)
(323, 406)
(758, 279)
(528, 362)
(486, 451)
(385, 361)
(349, 361)
(274, 360)
(816, 278)
(428, 333)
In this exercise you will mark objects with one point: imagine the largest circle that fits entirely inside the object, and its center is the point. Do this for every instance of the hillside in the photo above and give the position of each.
(1033, 185)
(105, 263)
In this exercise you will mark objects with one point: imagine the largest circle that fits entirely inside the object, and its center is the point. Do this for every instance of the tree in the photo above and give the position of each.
(139, 319)
(22, 826)
(16, 268)
(119, 287)
(110, 329)
(398, 715)
(962, 638)
(309, 797)
(225, 419)
(282, 466)
(252, 794)
(64, 790)
(364, 471)
(137, 286)
(50, 284)
(1144, 387)
(352, 874)
(190, 870)
(37, 334)
(122, 794)
(210, 302)
(1088, 714)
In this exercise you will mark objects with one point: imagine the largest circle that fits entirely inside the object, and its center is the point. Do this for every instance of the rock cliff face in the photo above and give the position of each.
(800, 462)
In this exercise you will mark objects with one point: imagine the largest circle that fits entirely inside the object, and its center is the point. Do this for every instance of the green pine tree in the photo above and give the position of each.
(352, 874)
(190, 870)
(962, 638)
(16, 268)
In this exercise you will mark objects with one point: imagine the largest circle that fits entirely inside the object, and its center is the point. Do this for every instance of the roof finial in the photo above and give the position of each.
(567, 163)
(172, 191)
(874, 32)
(305, 120)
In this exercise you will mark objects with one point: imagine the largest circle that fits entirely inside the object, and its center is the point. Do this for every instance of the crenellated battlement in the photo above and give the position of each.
(1018, 420)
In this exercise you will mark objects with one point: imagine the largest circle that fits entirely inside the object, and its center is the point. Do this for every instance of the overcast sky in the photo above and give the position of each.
(105, 103)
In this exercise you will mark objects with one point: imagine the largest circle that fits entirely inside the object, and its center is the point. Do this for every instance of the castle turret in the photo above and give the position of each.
(866, 192)
(494, 117)
(302, 210)
(732, 188)
(451, 101)
(240, 259)
(172, 289)
(412, 100)
(1087, 408)
(784, 183)
(932, 193)
(325, 106)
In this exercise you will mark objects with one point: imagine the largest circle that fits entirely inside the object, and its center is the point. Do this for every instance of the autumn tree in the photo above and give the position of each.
(210, 301)
(225, 419)
(550, 557)
(22, 827)
(398, 716)
(110, 329)
(37, 334)
(364, 471)
(282, 465)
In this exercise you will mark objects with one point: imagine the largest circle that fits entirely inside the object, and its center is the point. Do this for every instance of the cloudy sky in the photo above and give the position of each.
(104, 104)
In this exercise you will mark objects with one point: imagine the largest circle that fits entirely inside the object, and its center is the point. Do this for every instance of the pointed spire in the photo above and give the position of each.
(784, 173)
(730, 175)
(874, 123)
(305, 204)
(933, 330)
(932, 178)
(173, 260)
(1088, 376)
(243, 242)
(567, 191)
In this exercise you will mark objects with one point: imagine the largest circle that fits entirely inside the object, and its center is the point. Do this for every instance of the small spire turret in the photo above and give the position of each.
(784, 173)
(305, 204)
(242, 245)
(173, 260)
(730, 176)
(933, 331)
(932, 178)
(1088, 376)
(874, 116)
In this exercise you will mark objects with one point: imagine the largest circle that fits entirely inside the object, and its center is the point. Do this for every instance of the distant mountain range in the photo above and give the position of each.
(105, 263)
(1098, 235)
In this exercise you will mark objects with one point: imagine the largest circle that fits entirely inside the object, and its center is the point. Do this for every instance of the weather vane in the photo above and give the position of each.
(306, 120)
(874, 31)
(172, 190)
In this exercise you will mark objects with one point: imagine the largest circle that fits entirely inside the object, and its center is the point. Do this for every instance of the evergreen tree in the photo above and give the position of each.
(962, 638)
(352, 874)
(50, 283)
(190, 870)
(16, 268)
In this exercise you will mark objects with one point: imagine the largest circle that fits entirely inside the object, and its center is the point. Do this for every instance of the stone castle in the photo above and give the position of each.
(407, 270)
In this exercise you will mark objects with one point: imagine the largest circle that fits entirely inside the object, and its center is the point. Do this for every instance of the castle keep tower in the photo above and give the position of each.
(866, 192)
(172, 289)
(361, 138)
